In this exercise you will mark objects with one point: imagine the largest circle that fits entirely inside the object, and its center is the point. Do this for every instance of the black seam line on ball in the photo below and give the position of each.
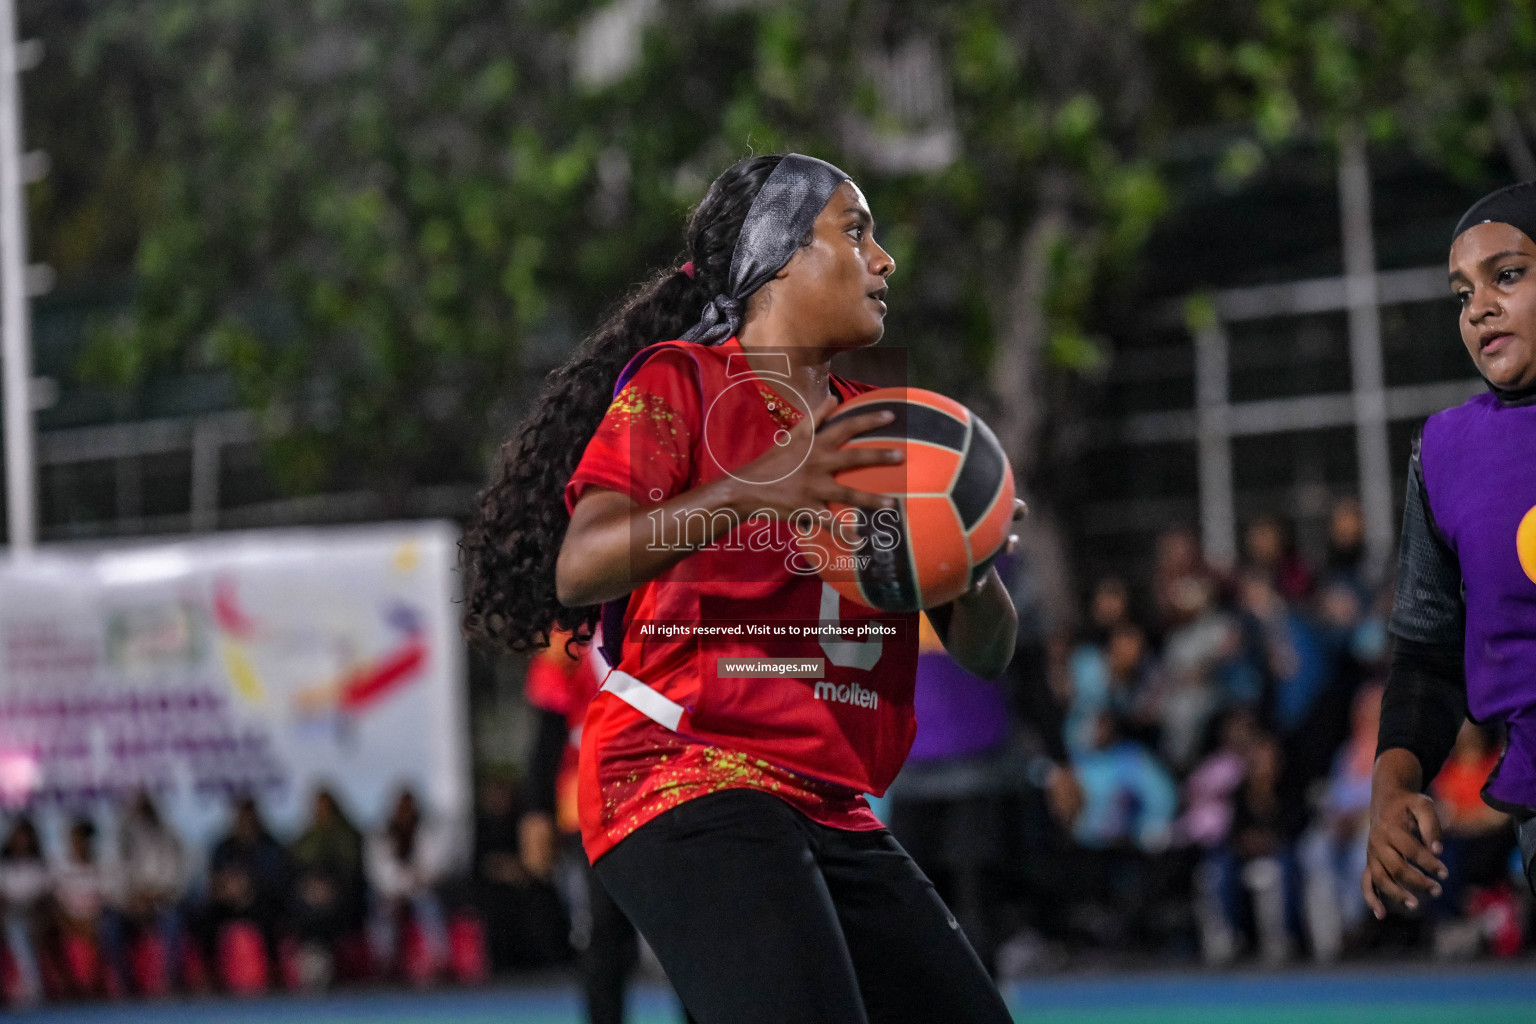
(899, 591)
(980, 476)
(911, 420)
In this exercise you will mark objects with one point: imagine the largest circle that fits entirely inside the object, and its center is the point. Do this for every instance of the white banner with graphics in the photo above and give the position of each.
(266, 662)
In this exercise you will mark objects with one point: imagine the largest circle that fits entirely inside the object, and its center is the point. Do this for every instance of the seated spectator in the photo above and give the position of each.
(154, 876)
(249, 876)
(1311, 685)
(514, 867)
(328, 891)
(1258, 860)
(87, 899)
(1269, 548)
(1210, 790)
(1177, 558)
(1346, 543)
(1111, 672)
(1110, 606)
(969, 787)
(1129, 798)
(1206, 666)
(405, 862)
(1333, 849)
(24, 885)
(1088, 675)
(1205, 826)
(1350, 623)
(1136, 690)
(1128, 803)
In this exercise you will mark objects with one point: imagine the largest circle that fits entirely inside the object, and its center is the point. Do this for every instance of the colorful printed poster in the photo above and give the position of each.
(269, 663)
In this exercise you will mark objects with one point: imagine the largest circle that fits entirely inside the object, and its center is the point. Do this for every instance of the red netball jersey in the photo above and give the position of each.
(668, 725)
(565, 684)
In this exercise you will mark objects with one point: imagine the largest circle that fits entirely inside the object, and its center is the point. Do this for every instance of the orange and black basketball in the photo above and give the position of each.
(954, 505)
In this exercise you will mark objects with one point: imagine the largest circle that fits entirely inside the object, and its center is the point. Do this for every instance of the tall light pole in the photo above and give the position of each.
(15, 321)
(1365, 361)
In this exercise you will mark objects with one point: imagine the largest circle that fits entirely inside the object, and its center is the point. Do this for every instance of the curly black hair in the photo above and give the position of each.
(508, 553)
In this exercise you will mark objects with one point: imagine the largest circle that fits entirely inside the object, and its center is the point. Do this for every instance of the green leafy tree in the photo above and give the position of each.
(384, 218)
(380, 216)
(353, 209)
(1454, 80)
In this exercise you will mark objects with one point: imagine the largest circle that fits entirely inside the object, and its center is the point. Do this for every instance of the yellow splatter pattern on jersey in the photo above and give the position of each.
(659, 770)
(782, 410)
(632, 404)
(651, 415)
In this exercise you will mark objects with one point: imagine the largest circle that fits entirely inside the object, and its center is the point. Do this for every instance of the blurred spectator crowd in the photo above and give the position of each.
(1221, 727)
(1186, 775)
(144, 916)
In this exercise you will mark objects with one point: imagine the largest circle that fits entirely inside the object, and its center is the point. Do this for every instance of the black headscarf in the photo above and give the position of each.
(1514, 205)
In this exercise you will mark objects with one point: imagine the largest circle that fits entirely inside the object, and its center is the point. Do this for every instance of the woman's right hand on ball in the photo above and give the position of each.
(797, 481)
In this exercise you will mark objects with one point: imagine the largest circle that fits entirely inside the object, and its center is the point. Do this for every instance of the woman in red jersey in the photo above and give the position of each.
(663, 485)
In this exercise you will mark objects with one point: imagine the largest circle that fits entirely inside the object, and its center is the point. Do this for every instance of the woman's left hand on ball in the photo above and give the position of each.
(1020, 510)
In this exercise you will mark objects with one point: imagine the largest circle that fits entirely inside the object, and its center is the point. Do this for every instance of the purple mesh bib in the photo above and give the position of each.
(1479, 464)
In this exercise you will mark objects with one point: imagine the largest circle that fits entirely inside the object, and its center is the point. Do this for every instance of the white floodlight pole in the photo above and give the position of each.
(1365, 357)
(15, 326)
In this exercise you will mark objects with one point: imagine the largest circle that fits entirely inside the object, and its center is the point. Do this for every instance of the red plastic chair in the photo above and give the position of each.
(53, 974)
(149, 965)
(194, 971)
(82, 963)
(243, 959)
(1499, 915)
(288, 966)
(354, 959)
(467, 958)
(10, 977)
(416, 960)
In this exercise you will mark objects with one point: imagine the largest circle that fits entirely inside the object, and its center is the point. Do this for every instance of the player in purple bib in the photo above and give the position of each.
(1465, 615)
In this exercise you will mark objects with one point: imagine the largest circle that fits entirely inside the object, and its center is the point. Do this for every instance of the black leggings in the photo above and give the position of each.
(762, 916)
(611, 954)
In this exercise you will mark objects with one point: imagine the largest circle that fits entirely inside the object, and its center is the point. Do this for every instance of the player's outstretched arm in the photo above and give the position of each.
(613, 544)
(1402, 854)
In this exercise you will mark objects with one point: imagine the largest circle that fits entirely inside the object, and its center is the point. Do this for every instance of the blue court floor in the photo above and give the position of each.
(1412, 994)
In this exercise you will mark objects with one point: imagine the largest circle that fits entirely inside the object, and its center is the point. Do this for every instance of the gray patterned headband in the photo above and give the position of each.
(781, 214)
